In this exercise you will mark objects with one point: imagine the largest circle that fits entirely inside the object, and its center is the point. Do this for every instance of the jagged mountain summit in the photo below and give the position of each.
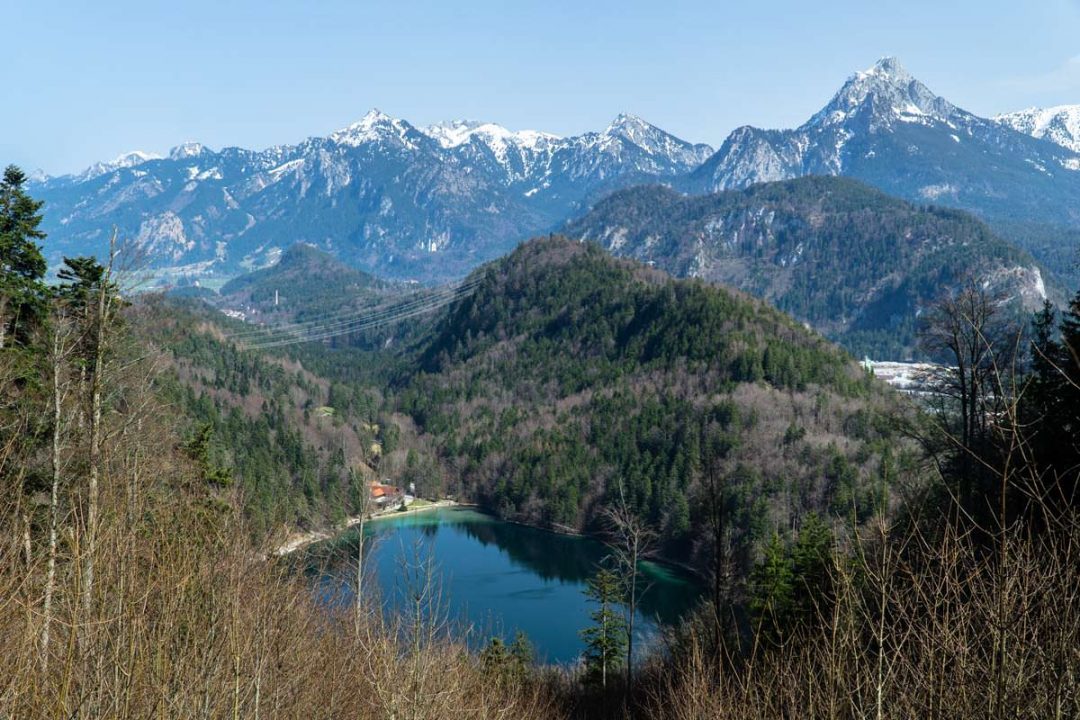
(887, 128)
(381, 194)
(1059, 124)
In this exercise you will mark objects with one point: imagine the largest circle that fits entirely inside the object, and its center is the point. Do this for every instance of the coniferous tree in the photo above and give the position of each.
(1067, 422)
(22, 266)
(772, 589)
(605, 640)
(1043, 401)
(811, 559)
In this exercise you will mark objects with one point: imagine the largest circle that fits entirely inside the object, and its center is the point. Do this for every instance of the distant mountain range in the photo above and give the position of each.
(381, 194)
(431, 203)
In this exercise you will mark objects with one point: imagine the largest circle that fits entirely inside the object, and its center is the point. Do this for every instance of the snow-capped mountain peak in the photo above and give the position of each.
(126, 160)
(375, 126)
(187, 150)
(888, 93)
(458, 132)
(1059, 124)
(654, 141)
(891, 68)
(886, 127)
(628, 125)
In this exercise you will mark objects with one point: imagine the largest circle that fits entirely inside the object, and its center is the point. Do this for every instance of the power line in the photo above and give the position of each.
(351, 316)
(340, 315)
(359, 325)
(367, 321)
(343, 315)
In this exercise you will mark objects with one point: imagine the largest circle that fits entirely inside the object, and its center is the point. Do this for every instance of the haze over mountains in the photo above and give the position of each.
(431, 203)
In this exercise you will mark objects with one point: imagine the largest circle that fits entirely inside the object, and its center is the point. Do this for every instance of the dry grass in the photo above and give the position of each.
(186, 623)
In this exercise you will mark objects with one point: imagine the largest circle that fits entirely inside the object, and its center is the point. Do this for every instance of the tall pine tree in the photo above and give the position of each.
(22, 266)
(605, 640)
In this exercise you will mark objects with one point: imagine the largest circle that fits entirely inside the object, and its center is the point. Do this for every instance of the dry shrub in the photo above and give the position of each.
(940, 627)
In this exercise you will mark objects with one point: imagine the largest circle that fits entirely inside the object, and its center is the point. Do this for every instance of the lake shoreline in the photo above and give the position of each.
(495, 578)
(303, 540)
(571, 532)
(299, 541)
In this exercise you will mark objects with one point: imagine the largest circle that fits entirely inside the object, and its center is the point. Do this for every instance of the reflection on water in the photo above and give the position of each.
(496, 577)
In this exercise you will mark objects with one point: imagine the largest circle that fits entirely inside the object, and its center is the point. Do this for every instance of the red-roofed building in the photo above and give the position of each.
(385, 494)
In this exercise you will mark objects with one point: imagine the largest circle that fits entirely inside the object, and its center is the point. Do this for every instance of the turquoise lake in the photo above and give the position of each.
(494, 578)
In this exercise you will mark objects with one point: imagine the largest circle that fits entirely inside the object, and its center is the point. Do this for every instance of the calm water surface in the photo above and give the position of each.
(495, 578)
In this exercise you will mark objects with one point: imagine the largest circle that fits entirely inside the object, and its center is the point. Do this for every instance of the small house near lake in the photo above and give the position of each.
(384, 494)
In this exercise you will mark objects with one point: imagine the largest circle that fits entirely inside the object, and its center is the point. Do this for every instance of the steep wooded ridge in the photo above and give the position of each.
(303, 275)
(571, 380)
(853, 262)
(306, 284)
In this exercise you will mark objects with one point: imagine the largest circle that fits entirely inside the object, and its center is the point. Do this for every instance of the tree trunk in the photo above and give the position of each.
(54, 499)
(95, 428)
(3, 321)
(360, 572)
(630, 621)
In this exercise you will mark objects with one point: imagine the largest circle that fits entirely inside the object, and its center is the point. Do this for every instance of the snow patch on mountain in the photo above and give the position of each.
(126, 160)
(458, 132)
(187, 150)
(1059, 124)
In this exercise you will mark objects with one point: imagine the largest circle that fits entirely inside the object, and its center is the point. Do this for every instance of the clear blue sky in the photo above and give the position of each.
(87, 81)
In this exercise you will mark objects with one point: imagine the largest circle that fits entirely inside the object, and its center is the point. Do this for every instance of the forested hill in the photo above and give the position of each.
(307, 281)
(571, 379)
(853, 262)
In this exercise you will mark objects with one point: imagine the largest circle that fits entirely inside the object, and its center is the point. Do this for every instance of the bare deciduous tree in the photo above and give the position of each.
(633, 541)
